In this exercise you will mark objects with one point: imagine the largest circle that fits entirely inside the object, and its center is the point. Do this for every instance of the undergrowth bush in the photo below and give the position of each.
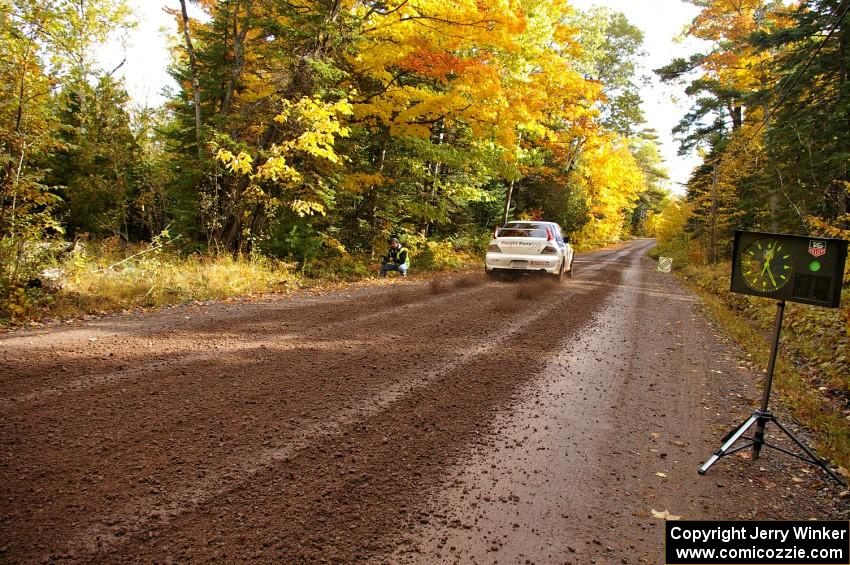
(432, 255)
(345, 267)
(21, 262)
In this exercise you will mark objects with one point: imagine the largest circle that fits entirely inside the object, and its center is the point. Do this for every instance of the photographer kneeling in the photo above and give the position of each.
(397, 259)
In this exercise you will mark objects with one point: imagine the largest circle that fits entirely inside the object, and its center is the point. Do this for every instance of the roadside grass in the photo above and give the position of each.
(93, 283)
(812, 375)
(105, 277)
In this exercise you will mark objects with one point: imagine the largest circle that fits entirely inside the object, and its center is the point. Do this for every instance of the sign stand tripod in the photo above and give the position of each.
(762, 416)
(783, 267)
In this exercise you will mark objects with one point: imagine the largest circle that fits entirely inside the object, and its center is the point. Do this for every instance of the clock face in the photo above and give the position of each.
(765, 265)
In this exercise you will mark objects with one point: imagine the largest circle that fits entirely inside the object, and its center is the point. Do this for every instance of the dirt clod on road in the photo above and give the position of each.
(458, 420)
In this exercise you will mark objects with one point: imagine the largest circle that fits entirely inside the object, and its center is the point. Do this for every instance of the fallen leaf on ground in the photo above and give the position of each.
(664, 515)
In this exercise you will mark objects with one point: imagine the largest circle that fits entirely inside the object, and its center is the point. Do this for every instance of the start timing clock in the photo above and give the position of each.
(789, 267)
(766, 265)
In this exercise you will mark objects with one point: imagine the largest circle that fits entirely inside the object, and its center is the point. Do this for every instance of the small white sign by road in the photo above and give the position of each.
(665, 264)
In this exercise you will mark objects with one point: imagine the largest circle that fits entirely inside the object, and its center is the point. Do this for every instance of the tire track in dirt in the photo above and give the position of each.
(532, 493)
(162, 419)
(341, 499)
(109, 454)
(219, 338)
(95, 380)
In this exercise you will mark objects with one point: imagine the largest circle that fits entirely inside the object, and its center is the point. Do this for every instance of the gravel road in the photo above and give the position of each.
(453, 420)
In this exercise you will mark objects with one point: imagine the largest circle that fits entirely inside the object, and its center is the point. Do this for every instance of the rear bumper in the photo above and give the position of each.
(529, 263)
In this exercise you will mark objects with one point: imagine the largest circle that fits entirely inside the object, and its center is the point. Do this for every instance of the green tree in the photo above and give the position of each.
(610, 50)
(806, 139)
(94, 170)
(644, 148)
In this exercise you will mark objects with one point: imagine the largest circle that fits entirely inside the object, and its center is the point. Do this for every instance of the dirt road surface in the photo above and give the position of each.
(458, 420)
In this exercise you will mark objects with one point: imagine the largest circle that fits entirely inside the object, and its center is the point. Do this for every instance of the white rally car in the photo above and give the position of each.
(527, 247)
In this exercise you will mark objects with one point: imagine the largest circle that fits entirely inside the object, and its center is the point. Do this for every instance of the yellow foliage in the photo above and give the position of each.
(612, 180)
(241, 164)
(306, 208)
(668, 227)
(319, 125)
(358, 182)
(493, 64)
(275, 169)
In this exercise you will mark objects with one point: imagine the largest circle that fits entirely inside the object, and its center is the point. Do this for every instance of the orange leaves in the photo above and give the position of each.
(731, 20)
(730, 23)
(434, 65)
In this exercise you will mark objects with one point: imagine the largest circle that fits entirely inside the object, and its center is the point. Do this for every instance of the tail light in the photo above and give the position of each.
(549, 235)
(549, 250)
(494, 248)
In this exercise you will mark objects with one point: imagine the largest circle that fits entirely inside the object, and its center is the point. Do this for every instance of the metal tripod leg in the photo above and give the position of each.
(734, 436)
(760, 419)
(762, 416)
(814, 459)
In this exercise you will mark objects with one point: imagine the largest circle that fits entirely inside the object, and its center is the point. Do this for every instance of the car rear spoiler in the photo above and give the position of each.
(549, 235)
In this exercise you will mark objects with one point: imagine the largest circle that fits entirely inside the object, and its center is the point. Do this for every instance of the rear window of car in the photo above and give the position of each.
(523, 230)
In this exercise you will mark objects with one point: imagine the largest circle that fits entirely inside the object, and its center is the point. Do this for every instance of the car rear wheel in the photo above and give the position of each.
(561, 272)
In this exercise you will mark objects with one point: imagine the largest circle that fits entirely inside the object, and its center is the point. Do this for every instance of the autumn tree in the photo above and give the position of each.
(644, 148)
(446, 99)
(777, 150)
(726, 75)
(727, 118)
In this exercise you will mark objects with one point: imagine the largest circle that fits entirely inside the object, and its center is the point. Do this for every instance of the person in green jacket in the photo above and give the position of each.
(397, 259)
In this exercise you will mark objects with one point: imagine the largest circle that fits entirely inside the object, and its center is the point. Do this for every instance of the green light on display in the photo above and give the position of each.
(814, 266)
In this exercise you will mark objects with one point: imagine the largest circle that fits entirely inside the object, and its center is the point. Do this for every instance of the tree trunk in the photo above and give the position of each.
(435, 175)
(196, 89)
(510, 193)
(736, 112)
(239, 36)
(844, 105)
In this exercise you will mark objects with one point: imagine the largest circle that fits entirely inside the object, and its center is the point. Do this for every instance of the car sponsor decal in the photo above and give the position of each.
(519, 243)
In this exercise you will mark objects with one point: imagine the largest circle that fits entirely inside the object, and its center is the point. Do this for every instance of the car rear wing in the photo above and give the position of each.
(540, 233)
